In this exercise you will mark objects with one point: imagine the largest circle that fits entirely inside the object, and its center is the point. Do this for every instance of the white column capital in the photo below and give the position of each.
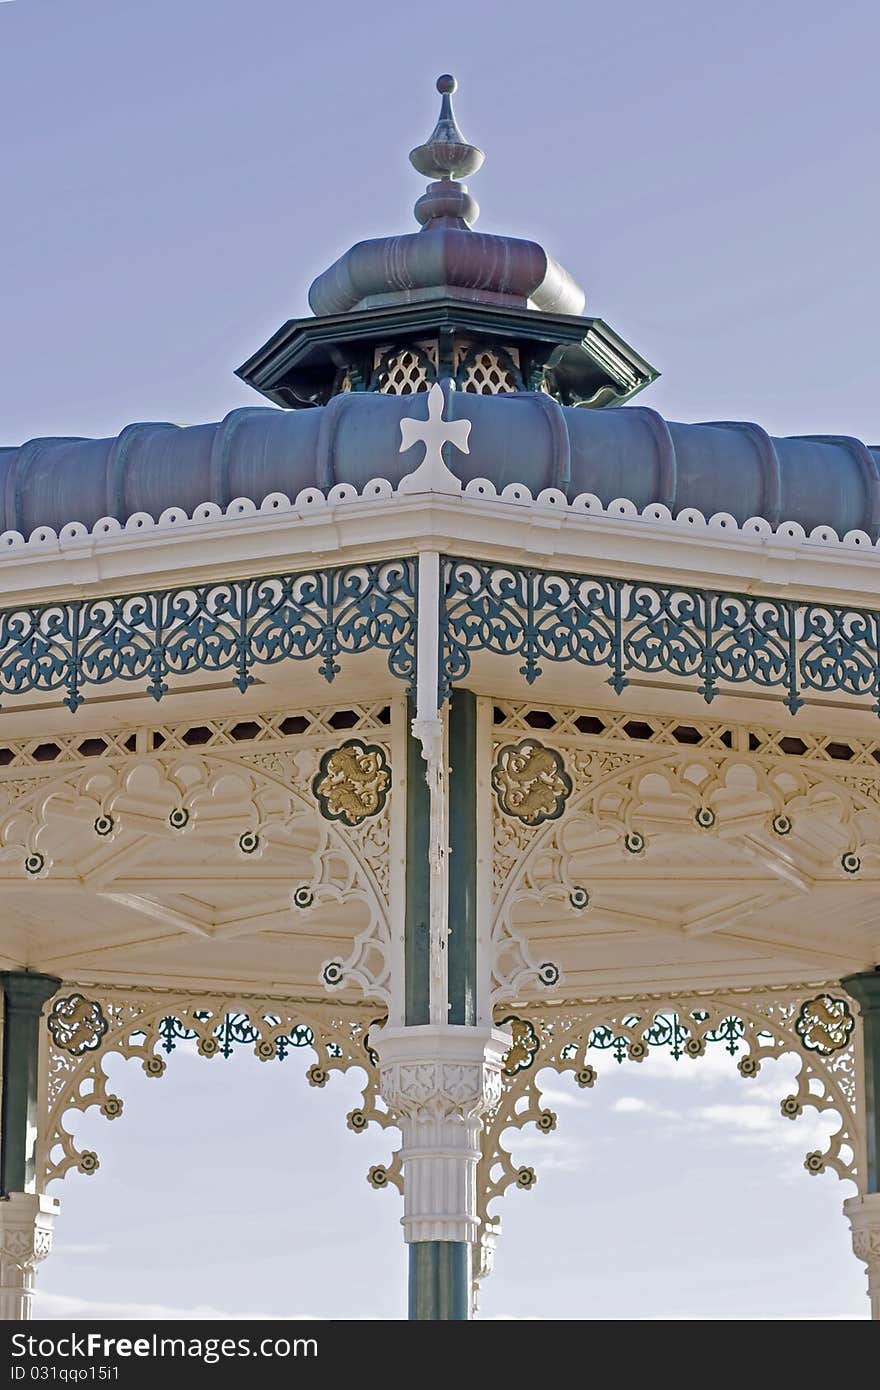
(863, 1213)
(439, 1082)
(27, 1223)
(429, 1072)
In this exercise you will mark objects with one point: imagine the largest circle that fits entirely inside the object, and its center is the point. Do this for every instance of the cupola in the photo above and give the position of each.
(490, 314)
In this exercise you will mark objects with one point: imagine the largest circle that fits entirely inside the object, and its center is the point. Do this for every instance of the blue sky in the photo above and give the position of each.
(174, 175)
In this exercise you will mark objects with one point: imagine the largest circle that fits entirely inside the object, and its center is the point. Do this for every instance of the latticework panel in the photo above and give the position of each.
(488, 372)
(406, 371)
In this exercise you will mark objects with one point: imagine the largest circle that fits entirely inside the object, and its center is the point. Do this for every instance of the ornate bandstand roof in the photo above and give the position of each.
(499, 324)
(455, 721)
(522, 438)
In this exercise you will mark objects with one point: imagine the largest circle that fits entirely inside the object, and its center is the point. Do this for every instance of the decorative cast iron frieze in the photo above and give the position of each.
(713, 639)
(232, 626)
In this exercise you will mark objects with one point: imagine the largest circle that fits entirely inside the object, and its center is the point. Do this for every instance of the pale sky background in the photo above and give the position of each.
(174, 174)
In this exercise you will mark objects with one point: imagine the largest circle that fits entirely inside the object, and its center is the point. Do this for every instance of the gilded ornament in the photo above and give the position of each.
(824, 1024)
(76, 1024)
(524, 1044)
(352, 782)
(531, 782)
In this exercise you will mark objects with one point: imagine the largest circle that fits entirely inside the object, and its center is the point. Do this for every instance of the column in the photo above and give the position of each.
(439, 1082)
(26, 1216)
(863, 1211)
(441, 1071)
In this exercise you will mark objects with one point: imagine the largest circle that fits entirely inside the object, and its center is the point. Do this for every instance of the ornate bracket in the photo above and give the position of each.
(817, 1023)
(82, 1031)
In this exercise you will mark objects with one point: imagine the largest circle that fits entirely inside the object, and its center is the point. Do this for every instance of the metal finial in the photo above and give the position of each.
(446, 157)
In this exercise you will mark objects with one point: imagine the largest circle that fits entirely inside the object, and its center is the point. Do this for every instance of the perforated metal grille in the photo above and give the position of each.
(405, 373)
(488, 373)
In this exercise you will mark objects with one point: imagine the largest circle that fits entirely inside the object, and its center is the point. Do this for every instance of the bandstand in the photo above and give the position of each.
(456, 721)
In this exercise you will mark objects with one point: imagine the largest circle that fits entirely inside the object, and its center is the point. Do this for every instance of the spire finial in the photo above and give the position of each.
(446, 157)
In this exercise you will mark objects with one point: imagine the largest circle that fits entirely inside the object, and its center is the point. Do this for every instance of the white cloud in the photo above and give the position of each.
(62, 1306)
(630, 1105)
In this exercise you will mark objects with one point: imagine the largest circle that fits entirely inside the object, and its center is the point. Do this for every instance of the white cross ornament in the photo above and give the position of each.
(432, 474)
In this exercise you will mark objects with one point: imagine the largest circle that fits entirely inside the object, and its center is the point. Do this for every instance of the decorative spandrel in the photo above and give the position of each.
(149, 1026)
(752, 1026)
(653, 797)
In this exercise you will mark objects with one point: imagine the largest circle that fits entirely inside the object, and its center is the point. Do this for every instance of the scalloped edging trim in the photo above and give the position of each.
(312, 500)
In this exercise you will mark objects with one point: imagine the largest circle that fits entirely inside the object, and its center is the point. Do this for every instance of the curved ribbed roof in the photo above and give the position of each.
(523, 437)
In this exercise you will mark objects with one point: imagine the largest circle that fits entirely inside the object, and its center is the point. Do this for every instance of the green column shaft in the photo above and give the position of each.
(865, 989)
(418, 884)
(24, 995)
(463, 857)
(439, 1281)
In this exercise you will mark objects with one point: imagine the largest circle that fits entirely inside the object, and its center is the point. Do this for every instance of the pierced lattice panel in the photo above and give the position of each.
(405, 373)
(488, 373)
(564, 725)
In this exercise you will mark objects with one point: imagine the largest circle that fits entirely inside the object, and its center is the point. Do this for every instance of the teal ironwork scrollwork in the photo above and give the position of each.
(230, 626)
(714, 639)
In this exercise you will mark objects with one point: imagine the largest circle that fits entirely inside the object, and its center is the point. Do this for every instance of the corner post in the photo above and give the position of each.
(863, 1211)
(27, 1216)
(440, 1065)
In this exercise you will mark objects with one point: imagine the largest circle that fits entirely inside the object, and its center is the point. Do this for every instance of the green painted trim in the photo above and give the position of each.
(865, 989)
(439, 1281)
(417, 953)
(463, 857)
(24, 995)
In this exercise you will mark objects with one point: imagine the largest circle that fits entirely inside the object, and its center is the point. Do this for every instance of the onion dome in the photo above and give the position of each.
(492, 314)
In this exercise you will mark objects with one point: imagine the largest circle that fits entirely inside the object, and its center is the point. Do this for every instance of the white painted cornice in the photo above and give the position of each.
(347, 527)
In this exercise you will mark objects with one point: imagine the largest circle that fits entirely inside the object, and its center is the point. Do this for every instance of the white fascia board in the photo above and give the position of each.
(492, 529)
